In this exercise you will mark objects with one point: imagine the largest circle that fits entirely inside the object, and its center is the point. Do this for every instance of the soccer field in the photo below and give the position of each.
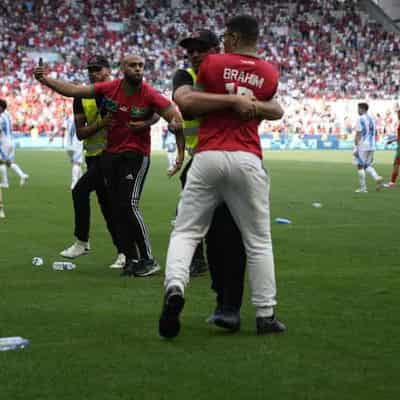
(94, 335)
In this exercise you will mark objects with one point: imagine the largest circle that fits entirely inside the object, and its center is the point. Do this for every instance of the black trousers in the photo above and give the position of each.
(92, 180)
(226, 255)
(125, 174)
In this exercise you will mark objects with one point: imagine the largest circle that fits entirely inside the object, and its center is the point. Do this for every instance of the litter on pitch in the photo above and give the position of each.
(37, 261)
(13, 343)
(283, 221)
(316, 204)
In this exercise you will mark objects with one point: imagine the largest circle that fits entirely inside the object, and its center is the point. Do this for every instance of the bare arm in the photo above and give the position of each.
(137, 126)
(195, 103)
(269, 110)
(174, 118)
(62, 87)
(357, 138)
(83, 130)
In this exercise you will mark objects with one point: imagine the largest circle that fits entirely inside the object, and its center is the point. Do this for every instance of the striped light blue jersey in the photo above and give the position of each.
(71, 140)
(366, 125)
(5, 124)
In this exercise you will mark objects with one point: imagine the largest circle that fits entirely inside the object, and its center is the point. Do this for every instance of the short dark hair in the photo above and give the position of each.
(363, 106)
(245, 25)
(3, 104)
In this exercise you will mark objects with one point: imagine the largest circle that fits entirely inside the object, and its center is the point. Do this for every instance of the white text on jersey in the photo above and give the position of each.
(243, 77)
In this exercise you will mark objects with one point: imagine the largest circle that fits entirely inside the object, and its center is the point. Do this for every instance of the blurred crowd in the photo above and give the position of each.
(331, 117)
(326, 50)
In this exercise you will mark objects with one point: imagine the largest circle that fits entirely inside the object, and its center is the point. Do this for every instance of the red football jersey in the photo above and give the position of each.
(137, 107)
(234, 74)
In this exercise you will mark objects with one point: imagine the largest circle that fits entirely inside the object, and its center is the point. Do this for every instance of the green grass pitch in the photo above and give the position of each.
(94, 335)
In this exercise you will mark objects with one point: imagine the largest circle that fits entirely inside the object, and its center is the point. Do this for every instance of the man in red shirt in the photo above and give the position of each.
(227, 167)
(126, 158)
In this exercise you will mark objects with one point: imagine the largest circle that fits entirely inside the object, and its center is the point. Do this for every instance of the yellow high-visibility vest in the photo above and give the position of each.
(191, 127)
(93, 145)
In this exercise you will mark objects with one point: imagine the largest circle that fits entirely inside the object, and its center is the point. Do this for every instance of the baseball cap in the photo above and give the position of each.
(203, 38)
(98, 61)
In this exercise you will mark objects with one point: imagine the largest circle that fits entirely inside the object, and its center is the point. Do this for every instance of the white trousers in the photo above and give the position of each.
(239, 179)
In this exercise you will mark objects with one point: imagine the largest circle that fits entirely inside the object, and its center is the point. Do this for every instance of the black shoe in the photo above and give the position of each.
(228, 319)
(130, 267)
(198, 267)
(169, 325)
(267, 325)
(146, 268)
(211, 318)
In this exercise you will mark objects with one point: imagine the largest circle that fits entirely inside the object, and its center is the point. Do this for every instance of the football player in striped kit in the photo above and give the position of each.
(364, 149)
(7, 148)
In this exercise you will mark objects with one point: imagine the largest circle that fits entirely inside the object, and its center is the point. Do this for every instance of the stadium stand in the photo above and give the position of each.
(325, 50)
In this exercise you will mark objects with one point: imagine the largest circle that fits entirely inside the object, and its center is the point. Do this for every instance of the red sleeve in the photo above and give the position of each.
(156, 99)
(272, 85)
(102, 88)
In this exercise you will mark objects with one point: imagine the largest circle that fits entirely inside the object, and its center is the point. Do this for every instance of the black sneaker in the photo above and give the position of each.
(198, 267)
(267, 325)
(169, 325)
(130, 267)
(146, 268)
(228, 319)
(211, 318)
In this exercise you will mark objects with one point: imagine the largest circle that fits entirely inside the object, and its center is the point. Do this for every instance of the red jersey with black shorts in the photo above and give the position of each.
(139, 106)
(234, 74)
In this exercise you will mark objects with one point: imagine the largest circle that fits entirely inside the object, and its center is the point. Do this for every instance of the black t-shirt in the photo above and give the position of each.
(100, 102)
(182, 78)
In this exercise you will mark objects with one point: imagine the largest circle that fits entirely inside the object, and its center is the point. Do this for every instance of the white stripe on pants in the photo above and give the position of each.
(239, 179)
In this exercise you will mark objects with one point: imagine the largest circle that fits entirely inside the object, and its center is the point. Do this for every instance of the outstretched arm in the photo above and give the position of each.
(62, 87)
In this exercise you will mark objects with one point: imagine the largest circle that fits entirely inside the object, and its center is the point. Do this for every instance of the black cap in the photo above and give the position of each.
(203, 38)
(98, 61)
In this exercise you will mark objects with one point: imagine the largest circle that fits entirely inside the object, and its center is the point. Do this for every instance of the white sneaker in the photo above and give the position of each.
(379, 184)
(389, 185)
(23, 180)
(77, 249)
(4, 185)
(2, 213)
(119, 263)
(361, 190)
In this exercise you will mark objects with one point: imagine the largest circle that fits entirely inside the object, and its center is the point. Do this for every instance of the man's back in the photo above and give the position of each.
(366, 125)
(234, 74)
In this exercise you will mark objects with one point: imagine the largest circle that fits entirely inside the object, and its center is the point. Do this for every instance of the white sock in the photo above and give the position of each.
(82, 243)
(3, 172)
(371, 171)
(76, 174)
(361, 177)
(17, 170)
(264, 311)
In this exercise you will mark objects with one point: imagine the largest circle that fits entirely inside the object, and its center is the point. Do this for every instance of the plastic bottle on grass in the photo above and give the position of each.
(63, 266)
(283, 221)
(13, 343)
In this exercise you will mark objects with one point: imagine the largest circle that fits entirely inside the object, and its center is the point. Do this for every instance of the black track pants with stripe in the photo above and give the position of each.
(125, 174)
(92, 180)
